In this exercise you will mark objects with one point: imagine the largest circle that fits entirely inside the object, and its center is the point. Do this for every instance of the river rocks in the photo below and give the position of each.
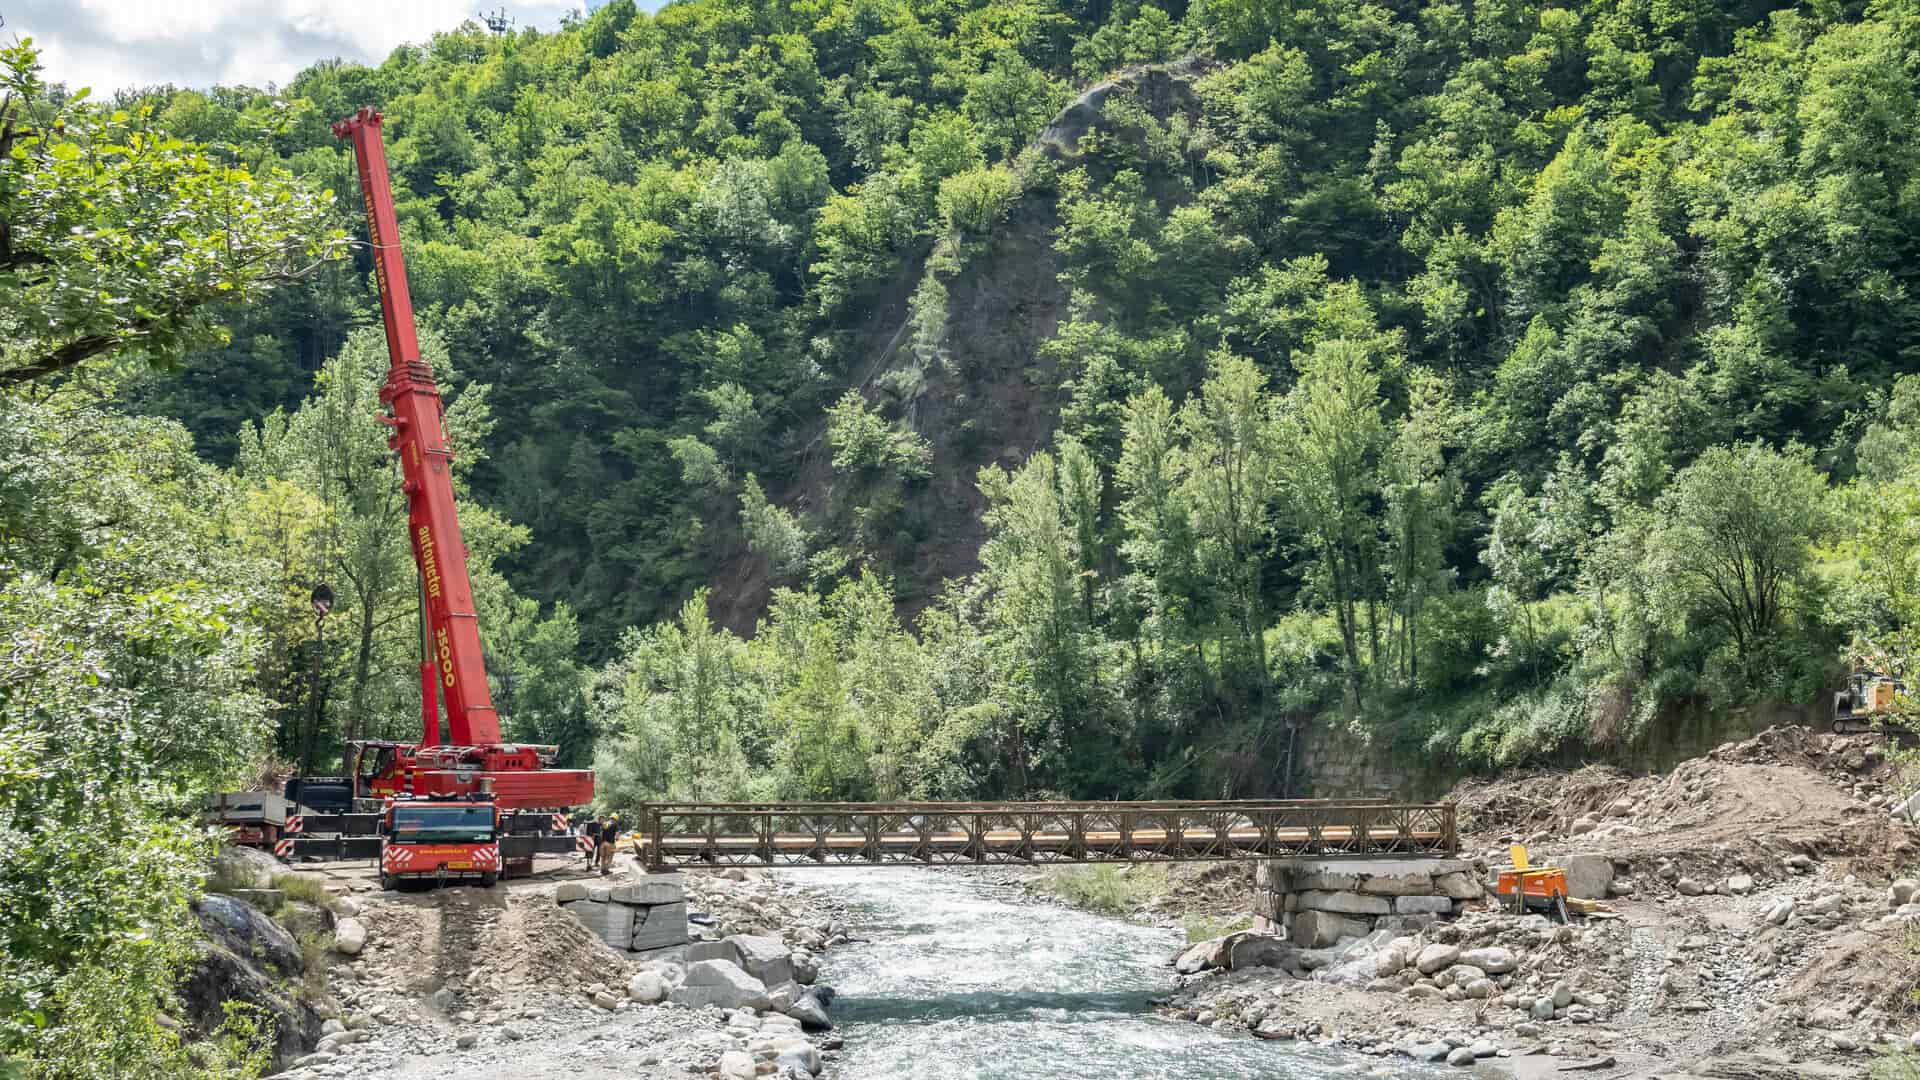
(648, 988)
(1739, 884)
(1902, 892)
(1686, 886)
(1780, 912)
(1258, 950)
(1460, 1056)
(1458, 885)
(1436, 957)
(1493, 960)
(736, 1065)
(765, 958)
(811, 1011)
(247, 958)
(349, 936)
(720, 983)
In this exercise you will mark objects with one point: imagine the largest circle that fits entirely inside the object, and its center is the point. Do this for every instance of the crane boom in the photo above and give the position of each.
(455, 670)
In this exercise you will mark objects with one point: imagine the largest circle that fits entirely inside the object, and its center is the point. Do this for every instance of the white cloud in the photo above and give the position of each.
(114, 44)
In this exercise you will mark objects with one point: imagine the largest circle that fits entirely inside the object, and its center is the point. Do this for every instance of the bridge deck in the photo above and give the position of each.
(712, 835)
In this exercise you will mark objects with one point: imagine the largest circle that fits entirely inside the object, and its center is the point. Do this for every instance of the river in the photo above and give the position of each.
(959, 980)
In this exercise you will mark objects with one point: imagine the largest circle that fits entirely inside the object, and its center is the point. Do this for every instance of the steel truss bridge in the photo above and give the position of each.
(690, 836)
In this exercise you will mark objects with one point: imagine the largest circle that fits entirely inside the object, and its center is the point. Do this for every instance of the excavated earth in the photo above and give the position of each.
(502, 983)
(1763, 923)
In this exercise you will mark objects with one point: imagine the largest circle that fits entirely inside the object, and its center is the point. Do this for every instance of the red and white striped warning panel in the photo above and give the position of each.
(283, 848)
(295, 823)
(584, 843)
(559, 823)
(396, 857)
(486, 856)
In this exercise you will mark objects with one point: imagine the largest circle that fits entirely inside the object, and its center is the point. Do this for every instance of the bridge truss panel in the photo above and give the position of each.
(718, 835)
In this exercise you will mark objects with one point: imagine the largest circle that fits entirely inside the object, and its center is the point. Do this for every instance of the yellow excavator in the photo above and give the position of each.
(1868, 703)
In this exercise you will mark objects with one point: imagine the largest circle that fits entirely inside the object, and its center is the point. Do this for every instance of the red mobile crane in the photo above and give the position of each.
(452, 669)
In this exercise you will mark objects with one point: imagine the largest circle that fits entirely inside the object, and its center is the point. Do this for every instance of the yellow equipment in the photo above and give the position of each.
(1868, 698)
(1524, 885)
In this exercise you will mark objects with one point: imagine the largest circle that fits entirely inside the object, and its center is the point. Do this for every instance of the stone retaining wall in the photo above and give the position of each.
(648, 917)
(1316, 902)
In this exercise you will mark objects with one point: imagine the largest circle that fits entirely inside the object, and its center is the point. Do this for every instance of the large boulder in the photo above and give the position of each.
(765, 958)
(811, 1011)
(349, 936)
(1458, 885)
(1436, 957)
(649, 988)
(247, 958)
(1493, 960)
(721, 984)
(1588, 876)
(1257, 950)
(236, 867)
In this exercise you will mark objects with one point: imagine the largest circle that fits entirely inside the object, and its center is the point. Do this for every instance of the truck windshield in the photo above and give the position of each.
(443, 824)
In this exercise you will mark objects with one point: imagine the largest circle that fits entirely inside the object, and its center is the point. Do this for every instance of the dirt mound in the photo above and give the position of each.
(1785, 790)
(489, 941)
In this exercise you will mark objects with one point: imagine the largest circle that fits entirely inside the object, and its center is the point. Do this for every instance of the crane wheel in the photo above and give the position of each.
(390, 882)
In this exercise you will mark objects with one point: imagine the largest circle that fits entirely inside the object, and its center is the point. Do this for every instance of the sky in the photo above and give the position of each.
(115, 44)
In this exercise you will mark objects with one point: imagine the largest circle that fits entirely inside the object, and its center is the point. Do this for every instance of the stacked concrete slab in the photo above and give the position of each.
(1316, 902)
(648, 916)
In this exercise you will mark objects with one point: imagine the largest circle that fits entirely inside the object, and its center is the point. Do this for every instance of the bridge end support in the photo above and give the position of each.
(1315, 902)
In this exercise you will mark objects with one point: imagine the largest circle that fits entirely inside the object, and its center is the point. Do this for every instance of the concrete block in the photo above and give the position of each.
(613, 922)
(1345, 903)
(1588, 875)
(712, 950)
(672, 954)
(653, 889)
(1422, 905)
(1319, 929)
(659, 926)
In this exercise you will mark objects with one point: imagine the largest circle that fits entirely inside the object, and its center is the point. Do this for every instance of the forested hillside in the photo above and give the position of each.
(1476, 374)
(912, 398)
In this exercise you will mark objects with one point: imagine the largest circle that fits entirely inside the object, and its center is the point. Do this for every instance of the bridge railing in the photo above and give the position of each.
(710, 835)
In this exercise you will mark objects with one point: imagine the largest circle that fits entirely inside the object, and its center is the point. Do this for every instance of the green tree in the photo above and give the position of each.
(119, 238)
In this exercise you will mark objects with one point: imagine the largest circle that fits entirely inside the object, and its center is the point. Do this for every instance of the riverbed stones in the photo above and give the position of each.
(1492, 960)
(764, 958)
(721, 984)
(1258, 950)
(349, 936)
(648, 988)
(1436, 957)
